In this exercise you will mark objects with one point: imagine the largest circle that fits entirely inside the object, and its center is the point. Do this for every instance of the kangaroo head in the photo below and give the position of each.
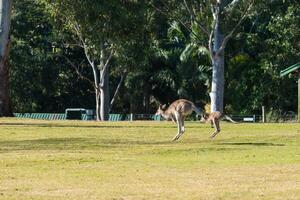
(204, 117)
(160, 110)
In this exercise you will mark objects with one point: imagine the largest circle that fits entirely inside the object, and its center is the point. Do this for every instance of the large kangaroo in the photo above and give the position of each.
(177, 112)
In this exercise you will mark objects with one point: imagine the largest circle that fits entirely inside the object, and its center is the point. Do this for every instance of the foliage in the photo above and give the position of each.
(40, 81)
(160, 58)
(267, 44)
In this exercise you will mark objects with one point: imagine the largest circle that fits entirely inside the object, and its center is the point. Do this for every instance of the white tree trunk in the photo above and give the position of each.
(217, 59)
(104, 97)
(217, 86)
(97, 98)
(5, 105)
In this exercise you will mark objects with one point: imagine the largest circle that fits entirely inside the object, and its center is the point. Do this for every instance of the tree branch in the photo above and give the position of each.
(86, 53)
(116, 92)
(78, 72)
(214, 12)
(231, 5)
(104, 70)
(194, 18)
(83, 44)
(226, 39)
(210, 45)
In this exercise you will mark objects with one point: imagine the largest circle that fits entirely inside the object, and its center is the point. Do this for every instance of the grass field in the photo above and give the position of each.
(136, 160)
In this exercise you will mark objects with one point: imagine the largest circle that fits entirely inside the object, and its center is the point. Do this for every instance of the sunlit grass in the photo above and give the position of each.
(136, 160)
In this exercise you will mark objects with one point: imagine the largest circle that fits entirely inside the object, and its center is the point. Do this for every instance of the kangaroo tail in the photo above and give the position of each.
(198, 110)
(228, 118)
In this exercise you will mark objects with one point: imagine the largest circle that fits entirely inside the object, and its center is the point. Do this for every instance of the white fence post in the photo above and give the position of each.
(263, 114)
(131, 117)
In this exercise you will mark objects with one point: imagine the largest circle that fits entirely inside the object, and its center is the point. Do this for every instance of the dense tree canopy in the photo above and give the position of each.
(161, 58)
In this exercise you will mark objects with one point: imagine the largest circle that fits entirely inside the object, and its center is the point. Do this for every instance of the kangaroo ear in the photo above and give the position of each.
(164, 106)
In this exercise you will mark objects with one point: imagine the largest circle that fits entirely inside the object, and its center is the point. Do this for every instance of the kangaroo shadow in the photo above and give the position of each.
(251, 143)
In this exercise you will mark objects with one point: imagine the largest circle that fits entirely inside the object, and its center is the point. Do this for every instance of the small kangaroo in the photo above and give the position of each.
(177, 112)
(214, 119)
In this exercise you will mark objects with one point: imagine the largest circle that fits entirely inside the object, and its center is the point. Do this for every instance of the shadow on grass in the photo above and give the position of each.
(46, 125)
(73, 144)
(41, 144)
(50, 125)
(98, 144)
(251, 143)
(94, 143)
(53, 125)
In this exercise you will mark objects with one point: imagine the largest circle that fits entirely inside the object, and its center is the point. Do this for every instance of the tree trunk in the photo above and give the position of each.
(217, 86)
(104, 97)
(97, 96)
(217, 90)
(299, 97)
(5, 104)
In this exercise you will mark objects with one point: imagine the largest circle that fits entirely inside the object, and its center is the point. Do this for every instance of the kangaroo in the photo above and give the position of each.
(214, 119)
(177, 112)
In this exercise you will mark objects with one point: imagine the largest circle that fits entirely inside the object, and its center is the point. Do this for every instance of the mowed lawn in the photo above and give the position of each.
(137, 160)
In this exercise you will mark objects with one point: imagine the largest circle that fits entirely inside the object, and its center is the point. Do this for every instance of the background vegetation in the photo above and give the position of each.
(156, 59)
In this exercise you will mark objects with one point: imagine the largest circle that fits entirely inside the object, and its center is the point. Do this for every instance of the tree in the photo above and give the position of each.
(100, 30)
(5, 105)
(168, 59)
(208, 20)
(40, 80)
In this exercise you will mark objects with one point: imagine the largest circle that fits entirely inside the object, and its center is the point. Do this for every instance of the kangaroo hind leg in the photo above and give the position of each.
(179, 125)
(182, 128)
(217, 127)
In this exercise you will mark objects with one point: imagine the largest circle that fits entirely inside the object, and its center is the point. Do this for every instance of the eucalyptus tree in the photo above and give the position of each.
(101, 29)
(212, 23)
(5, 16)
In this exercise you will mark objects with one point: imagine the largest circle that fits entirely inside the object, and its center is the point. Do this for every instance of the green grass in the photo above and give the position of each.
(136, 160)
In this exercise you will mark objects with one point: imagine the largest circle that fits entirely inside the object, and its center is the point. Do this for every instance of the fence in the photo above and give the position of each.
(135, 117)
(61, 116)
(285, 117)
